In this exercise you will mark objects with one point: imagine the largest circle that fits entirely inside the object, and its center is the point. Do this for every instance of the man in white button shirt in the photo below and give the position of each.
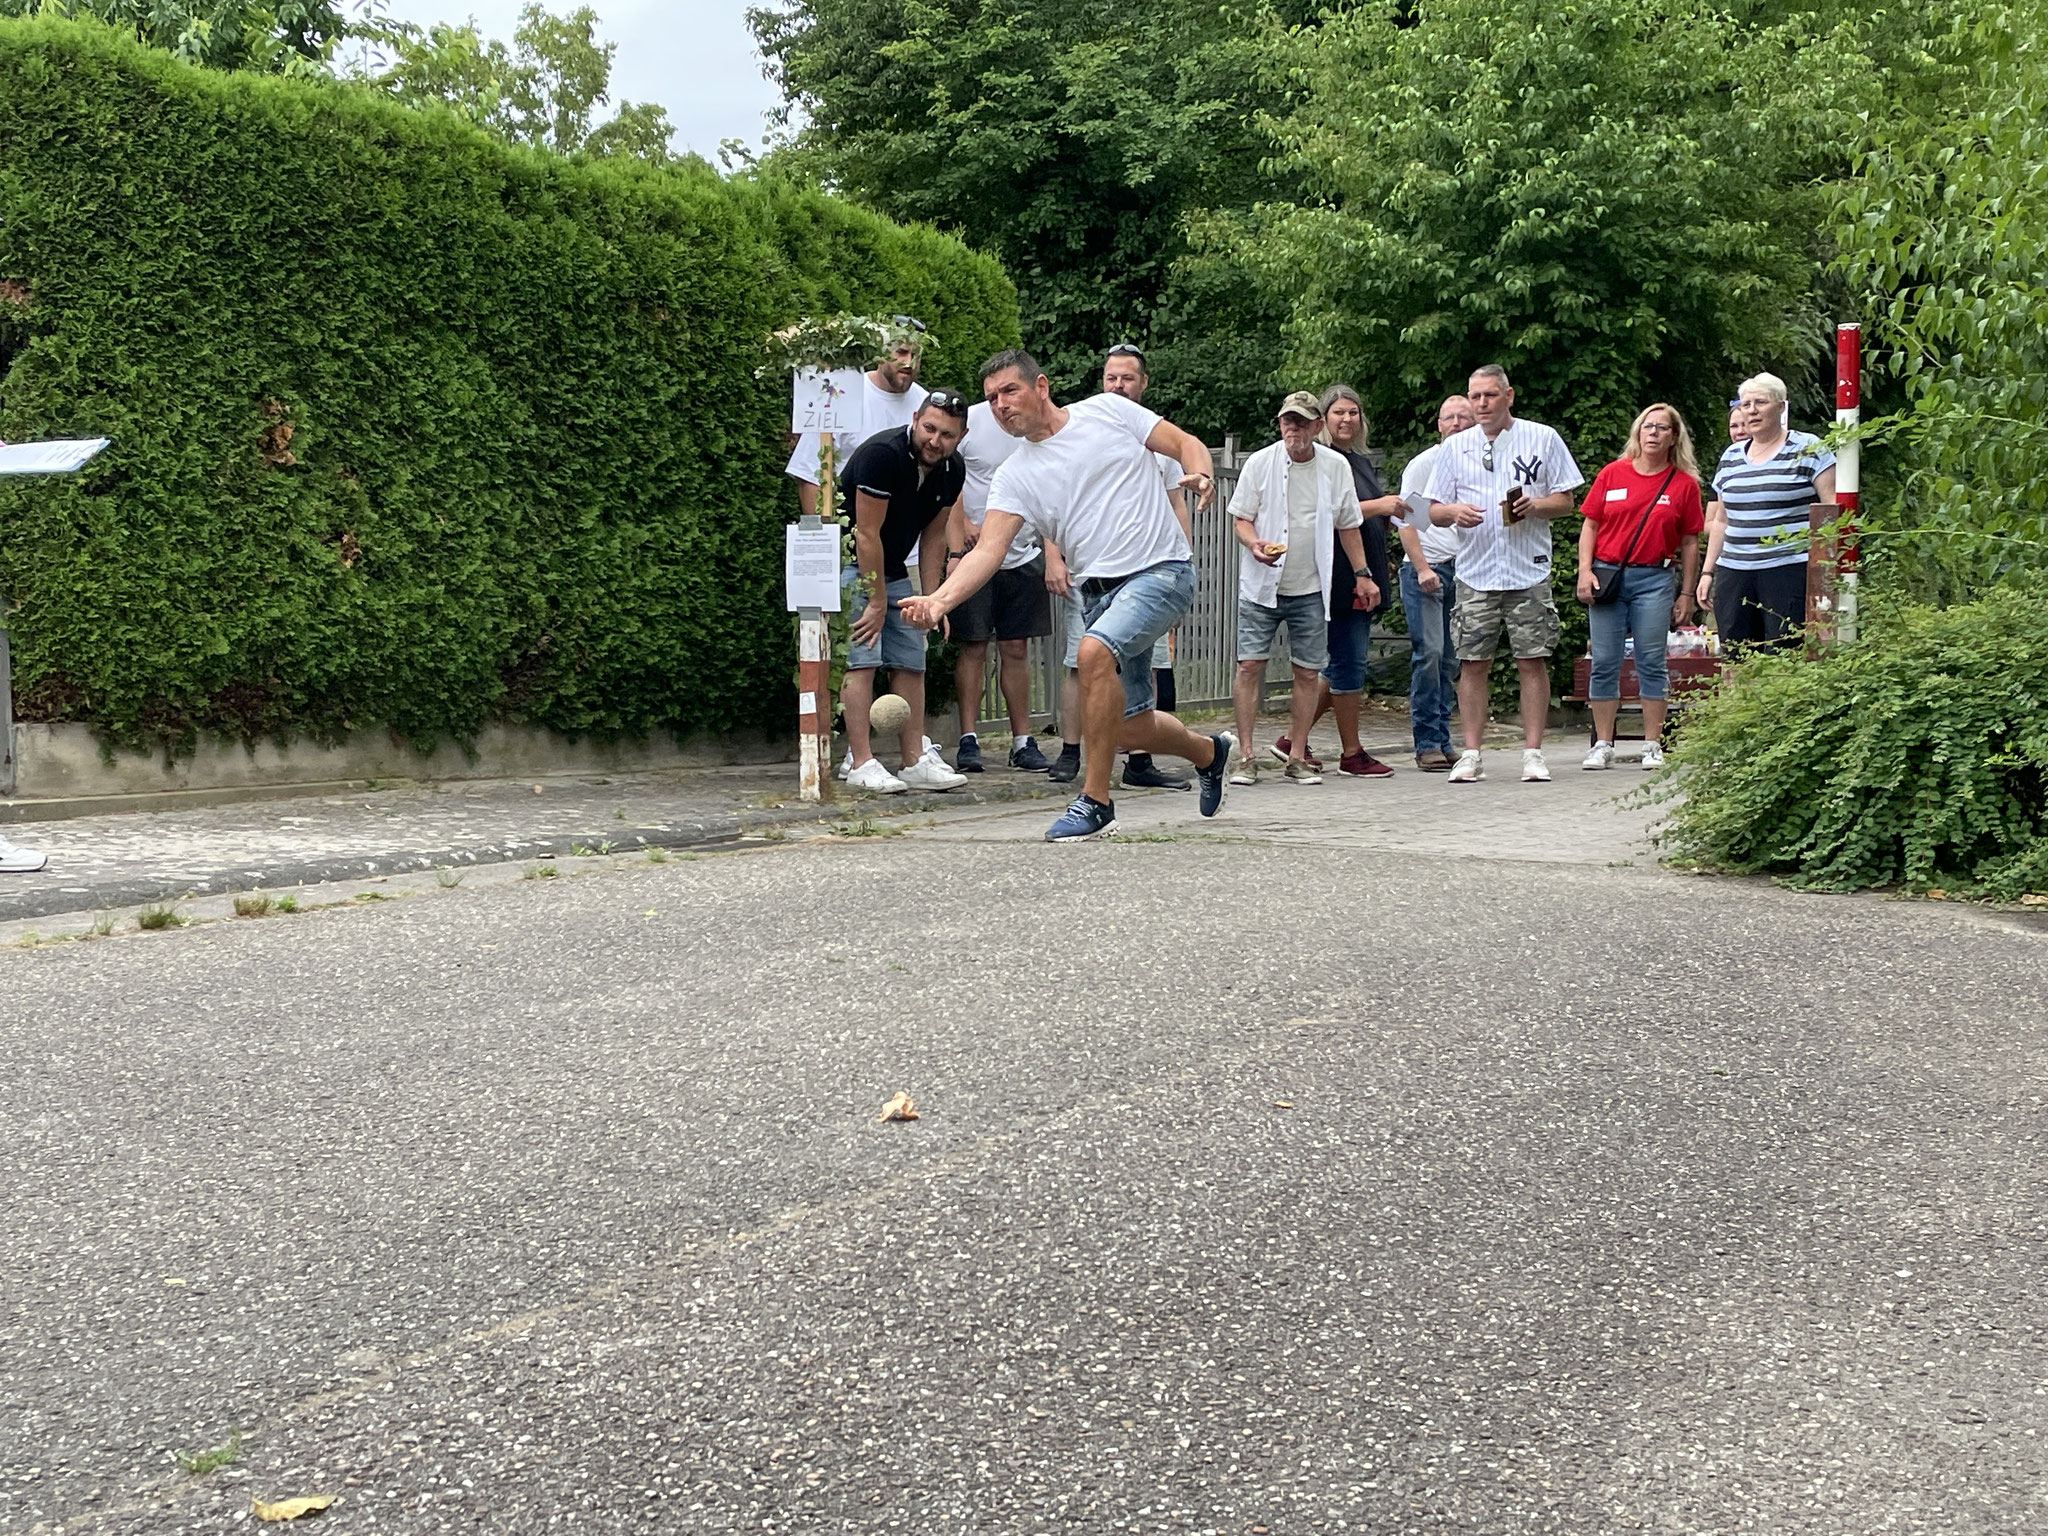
(1499, 484)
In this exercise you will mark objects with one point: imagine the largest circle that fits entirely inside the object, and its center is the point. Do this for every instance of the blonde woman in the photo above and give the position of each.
(1643, 517)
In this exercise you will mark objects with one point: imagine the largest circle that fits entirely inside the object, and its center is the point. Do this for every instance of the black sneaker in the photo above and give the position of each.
(1212, 776)
(1068, 768)
(1143, 773)
(967, 758)
(1024, 755)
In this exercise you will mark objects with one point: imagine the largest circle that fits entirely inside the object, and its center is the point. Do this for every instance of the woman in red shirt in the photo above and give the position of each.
(1642, 514)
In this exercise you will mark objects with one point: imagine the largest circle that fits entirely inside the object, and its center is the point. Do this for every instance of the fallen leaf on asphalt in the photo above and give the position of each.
(2034, 901)
(1937, 895)
(898, 1108)
(290, 1509)
(1283, 1103)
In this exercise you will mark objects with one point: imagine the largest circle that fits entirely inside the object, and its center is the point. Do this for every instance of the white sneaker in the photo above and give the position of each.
(931, 772)
(1467, 769)
(16, 860)
(1246, 771)
(1602, 756)
(846, 763)
(1653, 755)
(875, 779)
(1534, 769)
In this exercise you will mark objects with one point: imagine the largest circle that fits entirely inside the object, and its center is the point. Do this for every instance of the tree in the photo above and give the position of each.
(1068, 138)
(279, 37)
(543, 91)
(1945, 243)
(1617, 199)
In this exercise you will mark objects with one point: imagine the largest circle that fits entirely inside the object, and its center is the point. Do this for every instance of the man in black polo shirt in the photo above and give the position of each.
(905, 482)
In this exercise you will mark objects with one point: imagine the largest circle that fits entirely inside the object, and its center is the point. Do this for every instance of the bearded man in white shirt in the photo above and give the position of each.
(1500, 484)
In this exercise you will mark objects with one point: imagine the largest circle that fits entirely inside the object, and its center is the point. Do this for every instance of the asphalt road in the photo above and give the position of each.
(1260, 1187)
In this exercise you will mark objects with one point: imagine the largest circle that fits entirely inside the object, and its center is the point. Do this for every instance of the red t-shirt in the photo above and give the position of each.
(1616, 504)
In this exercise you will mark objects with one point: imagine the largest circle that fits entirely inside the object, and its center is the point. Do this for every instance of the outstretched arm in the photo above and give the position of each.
(969, 576)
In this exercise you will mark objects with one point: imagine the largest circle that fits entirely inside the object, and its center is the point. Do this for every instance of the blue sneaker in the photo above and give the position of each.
(1212, 776)
(967, 757)
(1084, 819)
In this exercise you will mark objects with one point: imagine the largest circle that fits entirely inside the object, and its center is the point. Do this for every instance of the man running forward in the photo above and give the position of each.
(1084, 479)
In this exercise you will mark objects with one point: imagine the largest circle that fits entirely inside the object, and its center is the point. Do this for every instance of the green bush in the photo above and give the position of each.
(410, 427)
(1918, 757)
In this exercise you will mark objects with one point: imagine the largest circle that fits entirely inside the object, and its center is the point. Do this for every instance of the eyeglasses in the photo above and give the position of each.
(1486, 460)
(911, 322)
(1125, 349)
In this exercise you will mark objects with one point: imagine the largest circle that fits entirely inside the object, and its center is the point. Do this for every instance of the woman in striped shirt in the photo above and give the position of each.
(1758, 522)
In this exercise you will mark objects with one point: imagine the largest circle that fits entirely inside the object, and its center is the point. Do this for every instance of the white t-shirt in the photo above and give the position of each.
(1298, 573)
(880, 412)
(1496, 557)
(984, 450)
(1439, 545)
(1094, 489)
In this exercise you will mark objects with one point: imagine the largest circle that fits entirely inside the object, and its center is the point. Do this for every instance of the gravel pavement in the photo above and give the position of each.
(1322, 1168)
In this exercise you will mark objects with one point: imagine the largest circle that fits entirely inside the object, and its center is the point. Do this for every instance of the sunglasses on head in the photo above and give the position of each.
(1125, 349)
(909, 322)
(948, 400)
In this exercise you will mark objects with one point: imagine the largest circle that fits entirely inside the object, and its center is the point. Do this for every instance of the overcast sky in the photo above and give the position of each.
(695, 57)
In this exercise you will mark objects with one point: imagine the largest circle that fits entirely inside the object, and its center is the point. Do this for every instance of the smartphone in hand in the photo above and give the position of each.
(1511, 506)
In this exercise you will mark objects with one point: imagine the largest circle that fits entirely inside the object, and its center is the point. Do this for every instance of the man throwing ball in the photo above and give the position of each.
(1085, 480)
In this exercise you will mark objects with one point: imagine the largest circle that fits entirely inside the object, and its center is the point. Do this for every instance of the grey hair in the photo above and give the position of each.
(1490, 371)
(1331, 396)
(1767, 384)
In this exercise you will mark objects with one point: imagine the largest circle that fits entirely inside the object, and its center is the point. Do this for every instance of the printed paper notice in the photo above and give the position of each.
(810, 567)
(826, 401)
(52, 458)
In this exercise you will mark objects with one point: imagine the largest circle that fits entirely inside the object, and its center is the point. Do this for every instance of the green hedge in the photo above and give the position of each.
(1917, 757)
(411, 428)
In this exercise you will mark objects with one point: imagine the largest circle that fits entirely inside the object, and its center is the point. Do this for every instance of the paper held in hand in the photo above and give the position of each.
(53, 458)
(810, 567)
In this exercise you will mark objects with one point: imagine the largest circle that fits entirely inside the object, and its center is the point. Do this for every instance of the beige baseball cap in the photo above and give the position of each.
(1303, 404)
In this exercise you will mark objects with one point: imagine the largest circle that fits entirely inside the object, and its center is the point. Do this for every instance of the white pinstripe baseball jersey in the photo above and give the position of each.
(1472, 468)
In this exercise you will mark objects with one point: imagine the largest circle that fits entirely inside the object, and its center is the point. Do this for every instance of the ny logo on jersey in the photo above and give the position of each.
(1526, 470)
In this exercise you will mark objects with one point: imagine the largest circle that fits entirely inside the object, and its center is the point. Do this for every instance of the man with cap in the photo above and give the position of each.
(1294, 505)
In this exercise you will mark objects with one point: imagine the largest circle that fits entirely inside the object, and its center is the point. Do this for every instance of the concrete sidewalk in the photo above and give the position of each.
(124, 860)
(115, 861)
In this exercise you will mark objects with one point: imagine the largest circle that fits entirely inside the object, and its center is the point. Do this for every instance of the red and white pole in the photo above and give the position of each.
(1848, 472)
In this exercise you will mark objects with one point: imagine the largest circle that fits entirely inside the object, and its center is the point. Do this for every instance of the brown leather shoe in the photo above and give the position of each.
(1434, 761)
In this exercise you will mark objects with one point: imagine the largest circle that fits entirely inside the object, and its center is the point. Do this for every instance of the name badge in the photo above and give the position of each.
(1617, 495)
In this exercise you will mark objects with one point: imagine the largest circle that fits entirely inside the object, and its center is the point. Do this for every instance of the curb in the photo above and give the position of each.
(45, 898)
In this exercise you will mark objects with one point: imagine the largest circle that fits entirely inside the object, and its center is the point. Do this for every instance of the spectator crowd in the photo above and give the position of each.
(987, 517)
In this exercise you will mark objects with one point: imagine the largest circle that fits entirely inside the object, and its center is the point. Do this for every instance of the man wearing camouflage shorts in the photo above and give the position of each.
(1499, 484)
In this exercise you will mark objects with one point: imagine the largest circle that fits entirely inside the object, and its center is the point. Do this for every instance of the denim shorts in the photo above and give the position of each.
(1130, 618)
(1349, 648)
(898, 647)
(1308, 632)
(1077, 622)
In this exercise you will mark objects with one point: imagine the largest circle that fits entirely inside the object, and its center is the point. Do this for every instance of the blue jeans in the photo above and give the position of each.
(1643, 609)
(1350, 645)
(1130, 619)
(1432, 659)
